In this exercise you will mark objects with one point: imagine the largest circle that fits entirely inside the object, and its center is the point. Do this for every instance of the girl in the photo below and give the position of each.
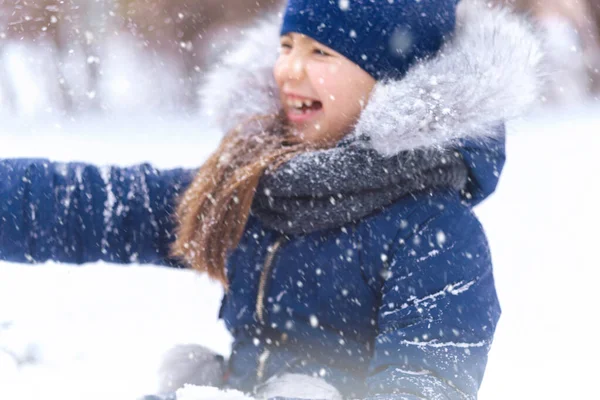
(337, 211)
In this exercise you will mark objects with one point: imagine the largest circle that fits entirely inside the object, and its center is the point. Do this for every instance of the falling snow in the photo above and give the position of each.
(56, 312)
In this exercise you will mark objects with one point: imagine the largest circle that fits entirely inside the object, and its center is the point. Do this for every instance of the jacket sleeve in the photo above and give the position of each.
(77, 213)
(438, 312)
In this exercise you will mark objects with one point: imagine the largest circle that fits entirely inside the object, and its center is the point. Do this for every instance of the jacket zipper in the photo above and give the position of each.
(264, 278)
(262, 362)
(260, 301)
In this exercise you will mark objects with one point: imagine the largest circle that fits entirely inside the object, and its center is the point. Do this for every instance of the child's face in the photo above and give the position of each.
(322, 92)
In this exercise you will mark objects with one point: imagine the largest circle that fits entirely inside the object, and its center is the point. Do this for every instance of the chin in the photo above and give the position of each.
(301, 131)
(308, 135)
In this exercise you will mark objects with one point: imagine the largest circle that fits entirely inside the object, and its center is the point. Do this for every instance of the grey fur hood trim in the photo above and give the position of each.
(490, 72)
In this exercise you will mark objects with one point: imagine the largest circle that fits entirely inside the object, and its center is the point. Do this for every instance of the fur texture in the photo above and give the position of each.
(242, 84)
(492, 71)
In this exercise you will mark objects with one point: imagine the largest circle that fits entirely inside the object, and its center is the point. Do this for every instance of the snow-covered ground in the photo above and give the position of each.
(97, 331)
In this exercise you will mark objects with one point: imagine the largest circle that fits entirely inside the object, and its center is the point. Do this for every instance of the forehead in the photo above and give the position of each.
(299, 37)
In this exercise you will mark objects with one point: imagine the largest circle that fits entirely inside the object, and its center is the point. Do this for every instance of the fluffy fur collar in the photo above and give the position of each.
(490, 72)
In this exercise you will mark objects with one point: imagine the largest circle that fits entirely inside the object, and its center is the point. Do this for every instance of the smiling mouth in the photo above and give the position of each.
(304, 112)
(306, 108)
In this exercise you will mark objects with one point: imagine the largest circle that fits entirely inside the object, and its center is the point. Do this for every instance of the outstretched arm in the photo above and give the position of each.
(77, 213)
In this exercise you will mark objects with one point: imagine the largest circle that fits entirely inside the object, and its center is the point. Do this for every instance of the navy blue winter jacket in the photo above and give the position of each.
(399, 305)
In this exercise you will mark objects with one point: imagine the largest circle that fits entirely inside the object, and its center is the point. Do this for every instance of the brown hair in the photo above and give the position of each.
(213, 211)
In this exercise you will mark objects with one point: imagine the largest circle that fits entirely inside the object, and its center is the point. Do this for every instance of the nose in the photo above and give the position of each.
(294, 68)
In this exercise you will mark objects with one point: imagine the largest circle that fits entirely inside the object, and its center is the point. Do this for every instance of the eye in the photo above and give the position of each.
(284, 48)
(321, 52)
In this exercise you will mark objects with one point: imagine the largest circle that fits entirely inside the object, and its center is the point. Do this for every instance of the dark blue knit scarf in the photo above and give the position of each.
(328, 188)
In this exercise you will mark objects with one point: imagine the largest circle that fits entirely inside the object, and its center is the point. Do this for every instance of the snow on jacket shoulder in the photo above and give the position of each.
(77, 213)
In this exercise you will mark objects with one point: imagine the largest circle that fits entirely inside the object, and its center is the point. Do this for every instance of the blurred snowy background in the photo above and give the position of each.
(115, 82)
(73, 57)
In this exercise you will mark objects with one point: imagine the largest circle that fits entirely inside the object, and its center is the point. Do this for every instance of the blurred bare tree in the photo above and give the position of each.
(595, 10)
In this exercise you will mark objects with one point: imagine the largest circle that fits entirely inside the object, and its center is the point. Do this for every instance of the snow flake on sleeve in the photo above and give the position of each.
(428, 301)
(436, 344)
(109, 204)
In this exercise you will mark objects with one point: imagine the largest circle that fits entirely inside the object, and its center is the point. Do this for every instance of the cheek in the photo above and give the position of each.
(339, 93)
(334, 83)
(277, 73)
(325, 80)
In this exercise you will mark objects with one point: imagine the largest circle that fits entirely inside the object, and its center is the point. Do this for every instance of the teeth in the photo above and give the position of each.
(297, 103)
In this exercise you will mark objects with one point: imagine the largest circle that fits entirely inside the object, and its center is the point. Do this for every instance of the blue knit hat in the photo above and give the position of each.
(384, 37)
